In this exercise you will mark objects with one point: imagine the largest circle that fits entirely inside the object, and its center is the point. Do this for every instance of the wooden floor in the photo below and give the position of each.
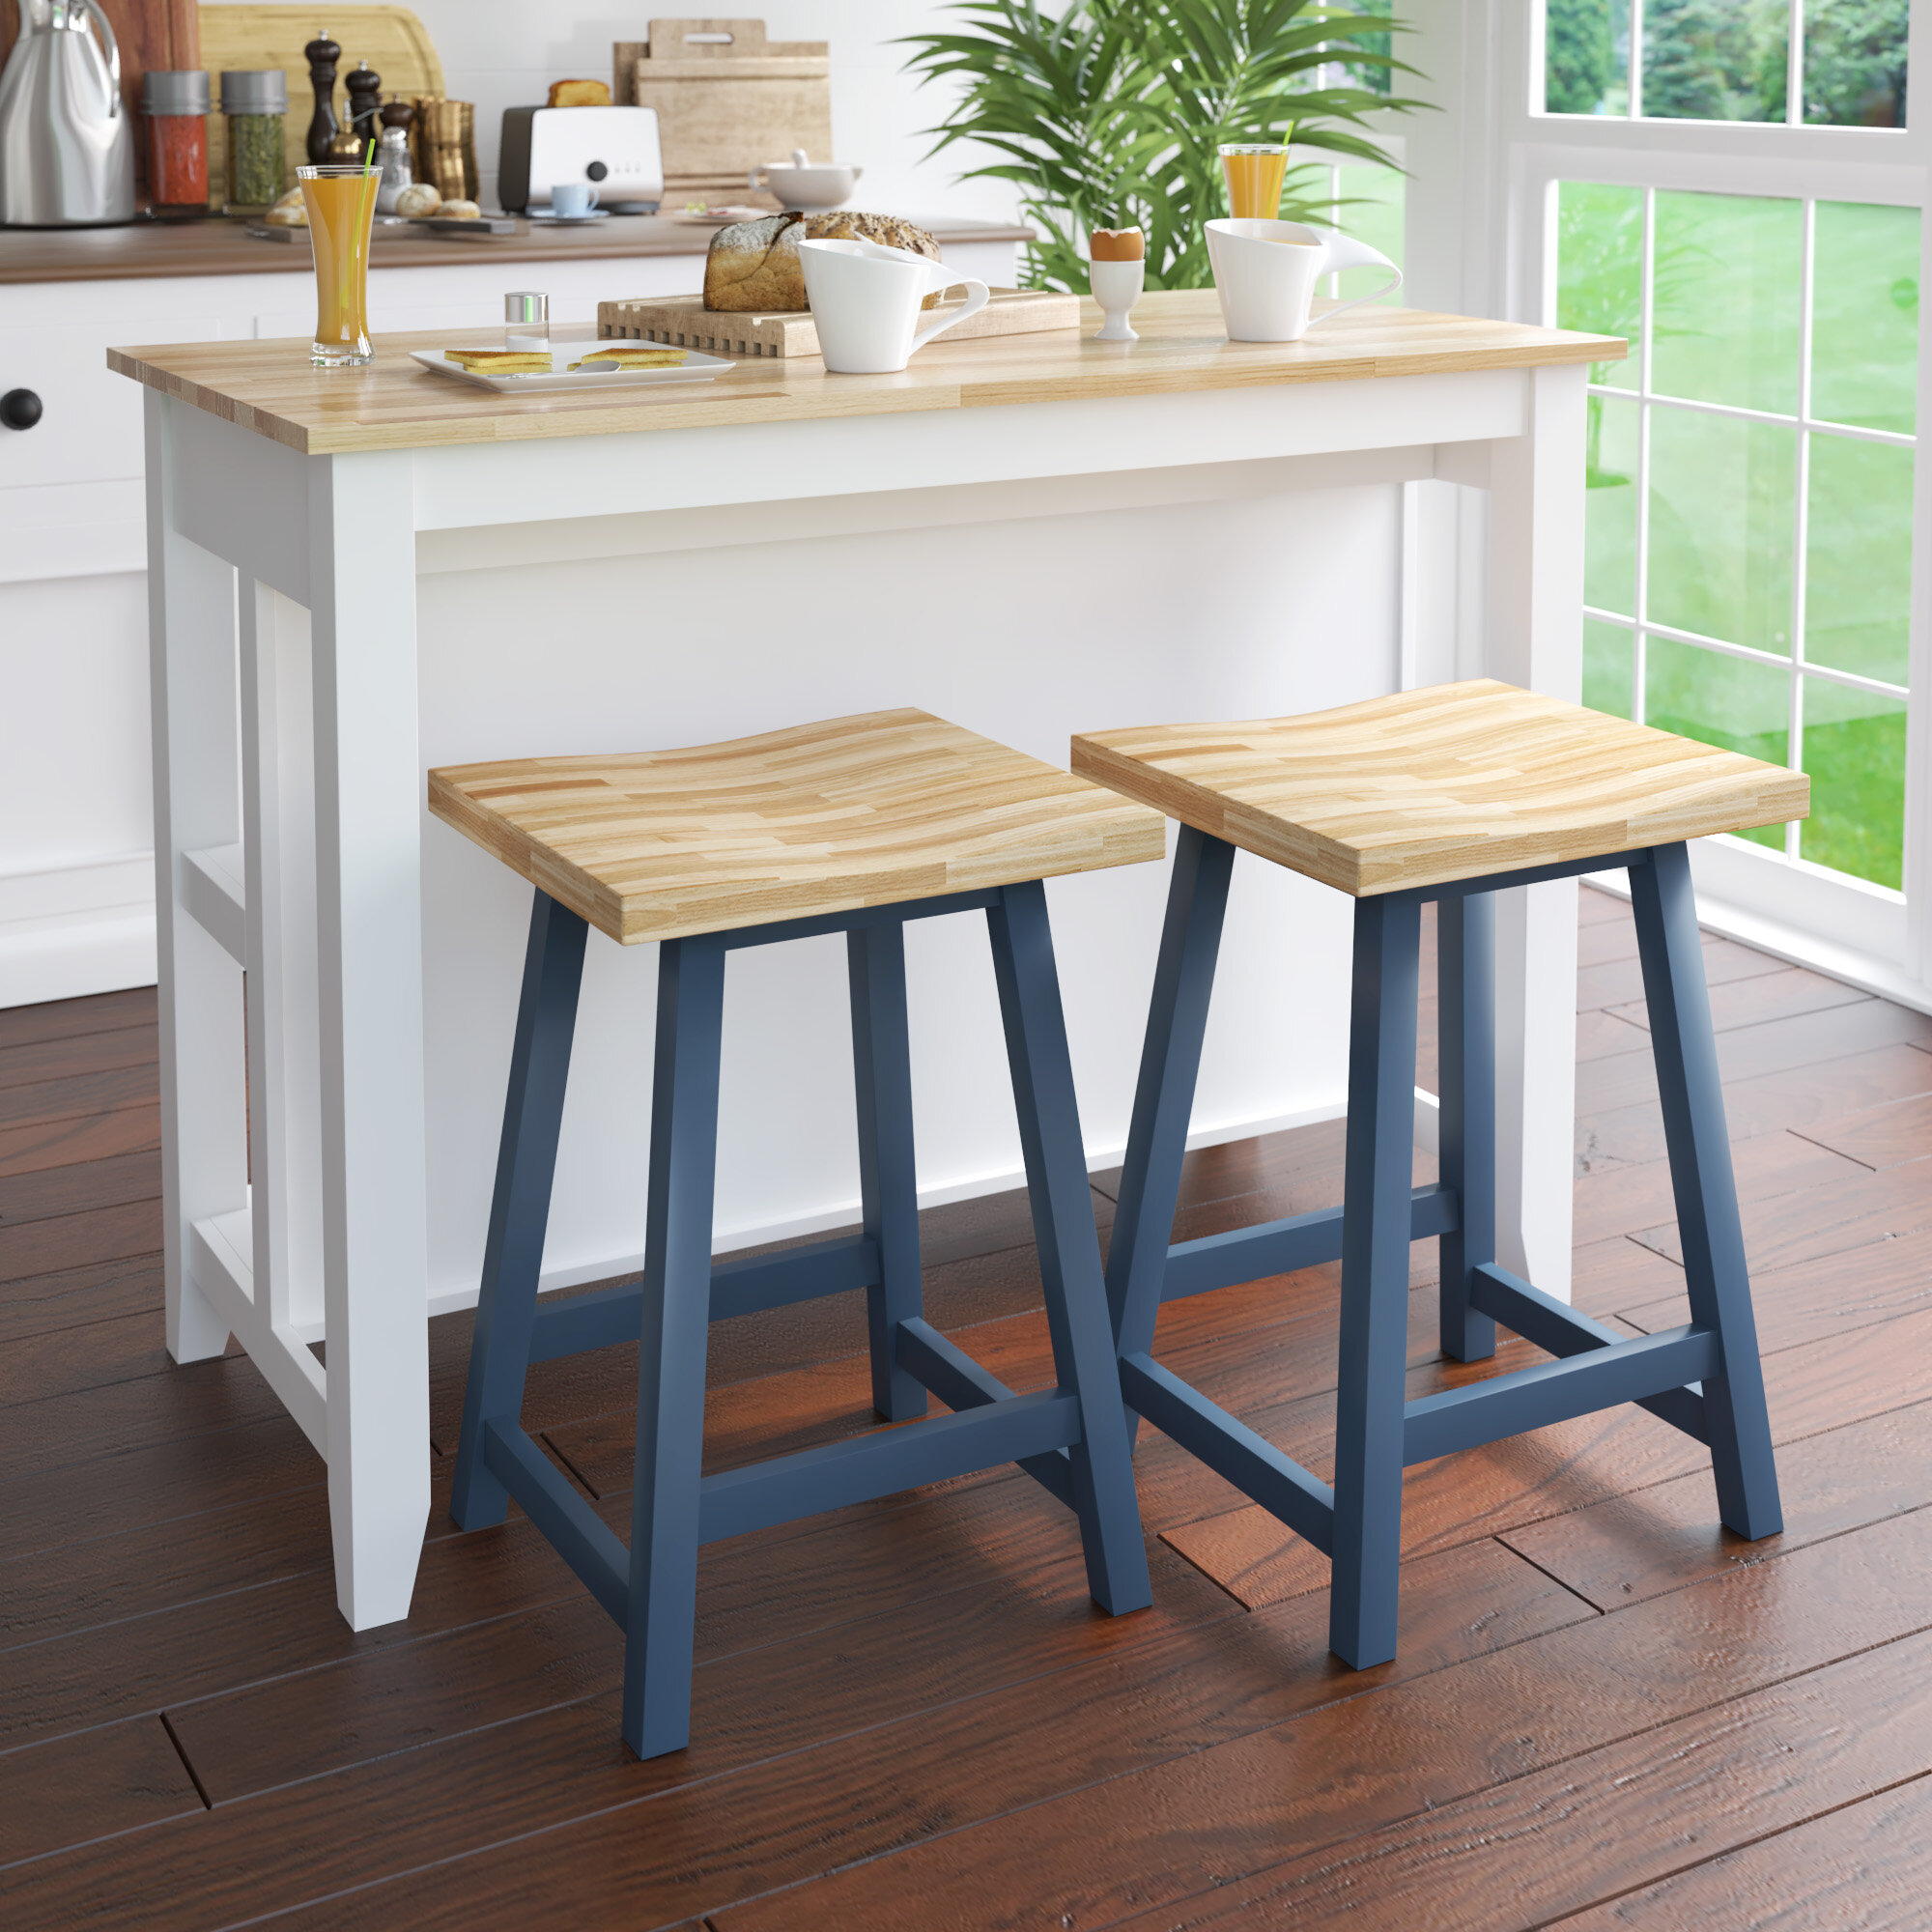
(1604, 1713)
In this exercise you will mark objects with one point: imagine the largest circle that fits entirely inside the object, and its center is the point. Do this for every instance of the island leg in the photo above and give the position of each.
(368, 805)
(1533, 637)
(197, 807)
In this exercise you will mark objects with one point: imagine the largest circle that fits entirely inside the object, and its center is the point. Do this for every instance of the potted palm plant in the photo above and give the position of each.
(1110, 112)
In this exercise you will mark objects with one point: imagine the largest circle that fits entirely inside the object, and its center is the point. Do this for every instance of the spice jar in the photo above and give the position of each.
(254, 102)
(174, 104)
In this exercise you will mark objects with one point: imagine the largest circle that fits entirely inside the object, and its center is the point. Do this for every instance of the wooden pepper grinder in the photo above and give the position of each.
(365, 100)
(323, 56)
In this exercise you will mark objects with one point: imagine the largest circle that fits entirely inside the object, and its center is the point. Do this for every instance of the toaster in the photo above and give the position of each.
(614, 149)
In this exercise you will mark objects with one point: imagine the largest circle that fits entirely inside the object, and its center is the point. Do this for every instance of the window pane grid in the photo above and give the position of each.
(1822, 702)
(1795, 63)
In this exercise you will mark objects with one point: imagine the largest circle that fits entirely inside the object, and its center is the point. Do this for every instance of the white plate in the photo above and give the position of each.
(545, 215)
(695, 368)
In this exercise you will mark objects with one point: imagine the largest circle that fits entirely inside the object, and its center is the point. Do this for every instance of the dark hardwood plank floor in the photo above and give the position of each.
(1606, 1711)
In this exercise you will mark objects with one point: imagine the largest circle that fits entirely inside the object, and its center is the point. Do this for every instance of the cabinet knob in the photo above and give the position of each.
(19, 409)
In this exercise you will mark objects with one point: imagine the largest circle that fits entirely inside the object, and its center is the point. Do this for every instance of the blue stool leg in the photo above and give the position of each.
(1197, 897)
(499, 1350)
(1069, 1249)
(1465, 983)
(1380, 1160)
(670, 1370)
(888, 1180)
(1715, 1273)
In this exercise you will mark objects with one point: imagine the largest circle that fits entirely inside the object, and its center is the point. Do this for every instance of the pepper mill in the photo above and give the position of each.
(322, 54)
(365, 95)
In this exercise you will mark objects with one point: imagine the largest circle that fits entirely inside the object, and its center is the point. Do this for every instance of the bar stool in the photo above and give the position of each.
(1448, 793)
(853, 826)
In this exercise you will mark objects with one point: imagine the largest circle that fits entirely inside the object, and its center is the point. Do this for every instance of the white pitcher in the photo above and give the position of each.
(866, 302)
(1266, 275)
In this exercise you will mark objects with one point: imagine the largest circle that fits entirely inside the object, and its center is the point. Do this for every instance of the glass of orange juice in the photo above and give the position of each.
(1254, 170)
(341, 204)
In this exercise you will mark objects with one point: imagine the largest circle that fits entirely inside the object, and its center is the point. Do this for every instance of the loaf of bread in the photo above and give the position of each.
(755, 264)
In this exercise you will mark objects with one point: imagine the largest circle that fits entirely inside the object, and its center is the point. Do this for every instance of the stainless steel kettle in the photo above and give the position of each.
(67, 142)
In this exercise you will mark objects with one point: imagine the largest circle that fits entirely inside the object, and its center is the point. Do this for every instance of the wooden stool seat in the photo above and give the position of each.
(1452, 782)
(821, 818)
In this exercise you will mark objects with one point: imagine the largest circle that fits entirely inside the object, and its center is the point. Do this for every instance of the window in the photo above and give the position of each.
(1748, 568)
(1803, 62)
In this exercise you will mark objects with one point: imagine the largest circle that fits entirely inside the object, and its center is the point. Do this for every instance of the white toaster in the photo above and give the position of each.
(614, 149)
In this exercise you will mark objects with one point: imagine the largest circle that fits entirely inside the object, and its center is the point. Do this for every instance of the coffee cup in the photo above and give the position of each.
(865, 304)
(1266, 275)
(572, 198)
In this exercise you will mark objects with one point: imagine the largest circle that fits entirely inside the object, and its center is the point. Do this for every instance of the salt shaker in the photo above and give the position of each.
(392, 156)
(527, 321)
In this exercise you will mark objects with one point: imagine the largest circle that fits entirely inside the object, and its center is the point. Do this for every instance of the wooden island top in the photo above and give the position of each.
(270, 388)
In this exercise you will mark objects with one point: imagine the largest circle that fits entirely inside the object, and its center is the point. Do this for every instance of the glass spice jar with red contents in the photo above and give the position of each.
(174, 105)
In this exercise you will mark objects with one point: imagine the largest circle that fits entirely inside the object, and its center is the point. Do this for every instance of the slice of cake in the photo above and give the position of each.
(632, 355)
(501, 361)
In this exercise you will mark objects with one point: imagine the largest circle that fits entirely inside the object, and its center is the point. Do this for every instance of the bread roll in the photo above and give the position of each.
(755, 264)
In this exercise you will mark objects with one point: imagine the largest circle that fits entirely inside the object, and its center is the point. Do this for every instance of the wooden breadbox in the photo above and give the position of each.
(727, 99)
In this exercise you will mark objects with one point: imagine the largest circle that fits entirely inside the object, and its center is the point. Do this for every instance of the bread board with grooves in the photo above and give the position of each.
(683, 322)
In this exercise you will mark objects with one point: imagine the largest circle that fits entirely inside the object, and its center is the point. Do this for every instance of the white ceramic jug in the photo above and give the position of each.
(866, 302)
(1266, 275)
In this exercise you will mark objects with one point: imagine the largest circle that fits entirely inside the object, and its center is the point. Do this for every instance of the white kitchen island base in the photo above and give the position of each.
(1142, 542)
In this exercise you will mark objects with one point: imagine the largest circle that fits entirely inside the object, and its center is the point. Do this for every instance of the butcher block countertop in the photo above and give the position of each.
(270, 388)
(150, 249)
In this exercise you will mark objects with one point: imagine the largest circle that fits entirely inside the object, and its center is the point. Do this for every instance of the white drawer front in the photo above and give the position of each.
(90, 426)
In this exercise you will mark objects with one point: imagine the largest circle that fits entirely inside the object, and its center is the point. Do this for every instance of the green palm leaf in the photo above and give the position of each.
(1110, 113)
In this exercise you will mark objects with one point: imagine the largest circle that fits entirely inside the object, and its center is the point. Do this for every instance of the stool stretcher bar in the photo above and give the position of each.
(962, 1383)
(860, 1470)
(576, 1323)
(1281, 1247)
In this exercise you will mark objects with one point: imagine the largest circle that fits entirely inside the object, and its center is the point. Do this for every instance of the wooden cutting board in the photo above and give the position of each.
(727, 99)
(390, 39)
(683, 322)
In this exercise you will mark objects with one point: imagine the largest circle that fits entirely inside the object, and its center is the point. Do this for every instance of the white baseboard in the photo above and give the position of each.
(70, 930)
(1865, 971)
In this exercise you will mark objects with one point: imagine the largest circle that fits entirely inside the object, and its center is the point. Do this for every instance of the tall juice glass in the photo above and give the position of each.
(341, 204)
(1255, 170)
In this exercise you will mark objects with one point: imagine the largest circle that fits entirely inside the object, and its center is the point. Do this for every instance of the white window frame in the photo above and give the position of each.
(1483, 229)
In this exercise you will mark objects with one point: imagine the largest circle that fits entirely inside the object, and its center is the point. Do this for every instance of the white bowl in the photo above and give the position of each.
(810, 187)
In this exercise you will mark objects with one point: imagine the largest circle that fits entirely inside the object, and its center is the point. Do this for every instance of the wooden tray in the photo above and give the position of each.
(727, 99)
(683, 322)
(408, 230)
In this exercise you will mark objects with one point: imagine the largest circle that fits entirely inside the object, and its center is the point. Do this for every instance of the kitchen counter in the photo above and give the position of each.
(1030, 535)
(218, 247)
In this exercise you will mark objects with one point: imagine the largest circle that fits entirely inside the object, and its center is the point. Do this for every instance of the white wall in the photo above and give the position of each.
(504, 53)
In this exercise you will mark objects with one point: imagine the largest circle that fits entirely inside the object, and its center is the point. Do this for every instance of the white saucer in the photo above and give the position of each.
(544, 215)
(695, 368)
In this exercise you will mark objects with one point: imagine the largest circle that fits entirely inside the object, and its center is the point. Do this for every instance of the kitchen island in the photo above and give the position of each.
(1031, 535)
